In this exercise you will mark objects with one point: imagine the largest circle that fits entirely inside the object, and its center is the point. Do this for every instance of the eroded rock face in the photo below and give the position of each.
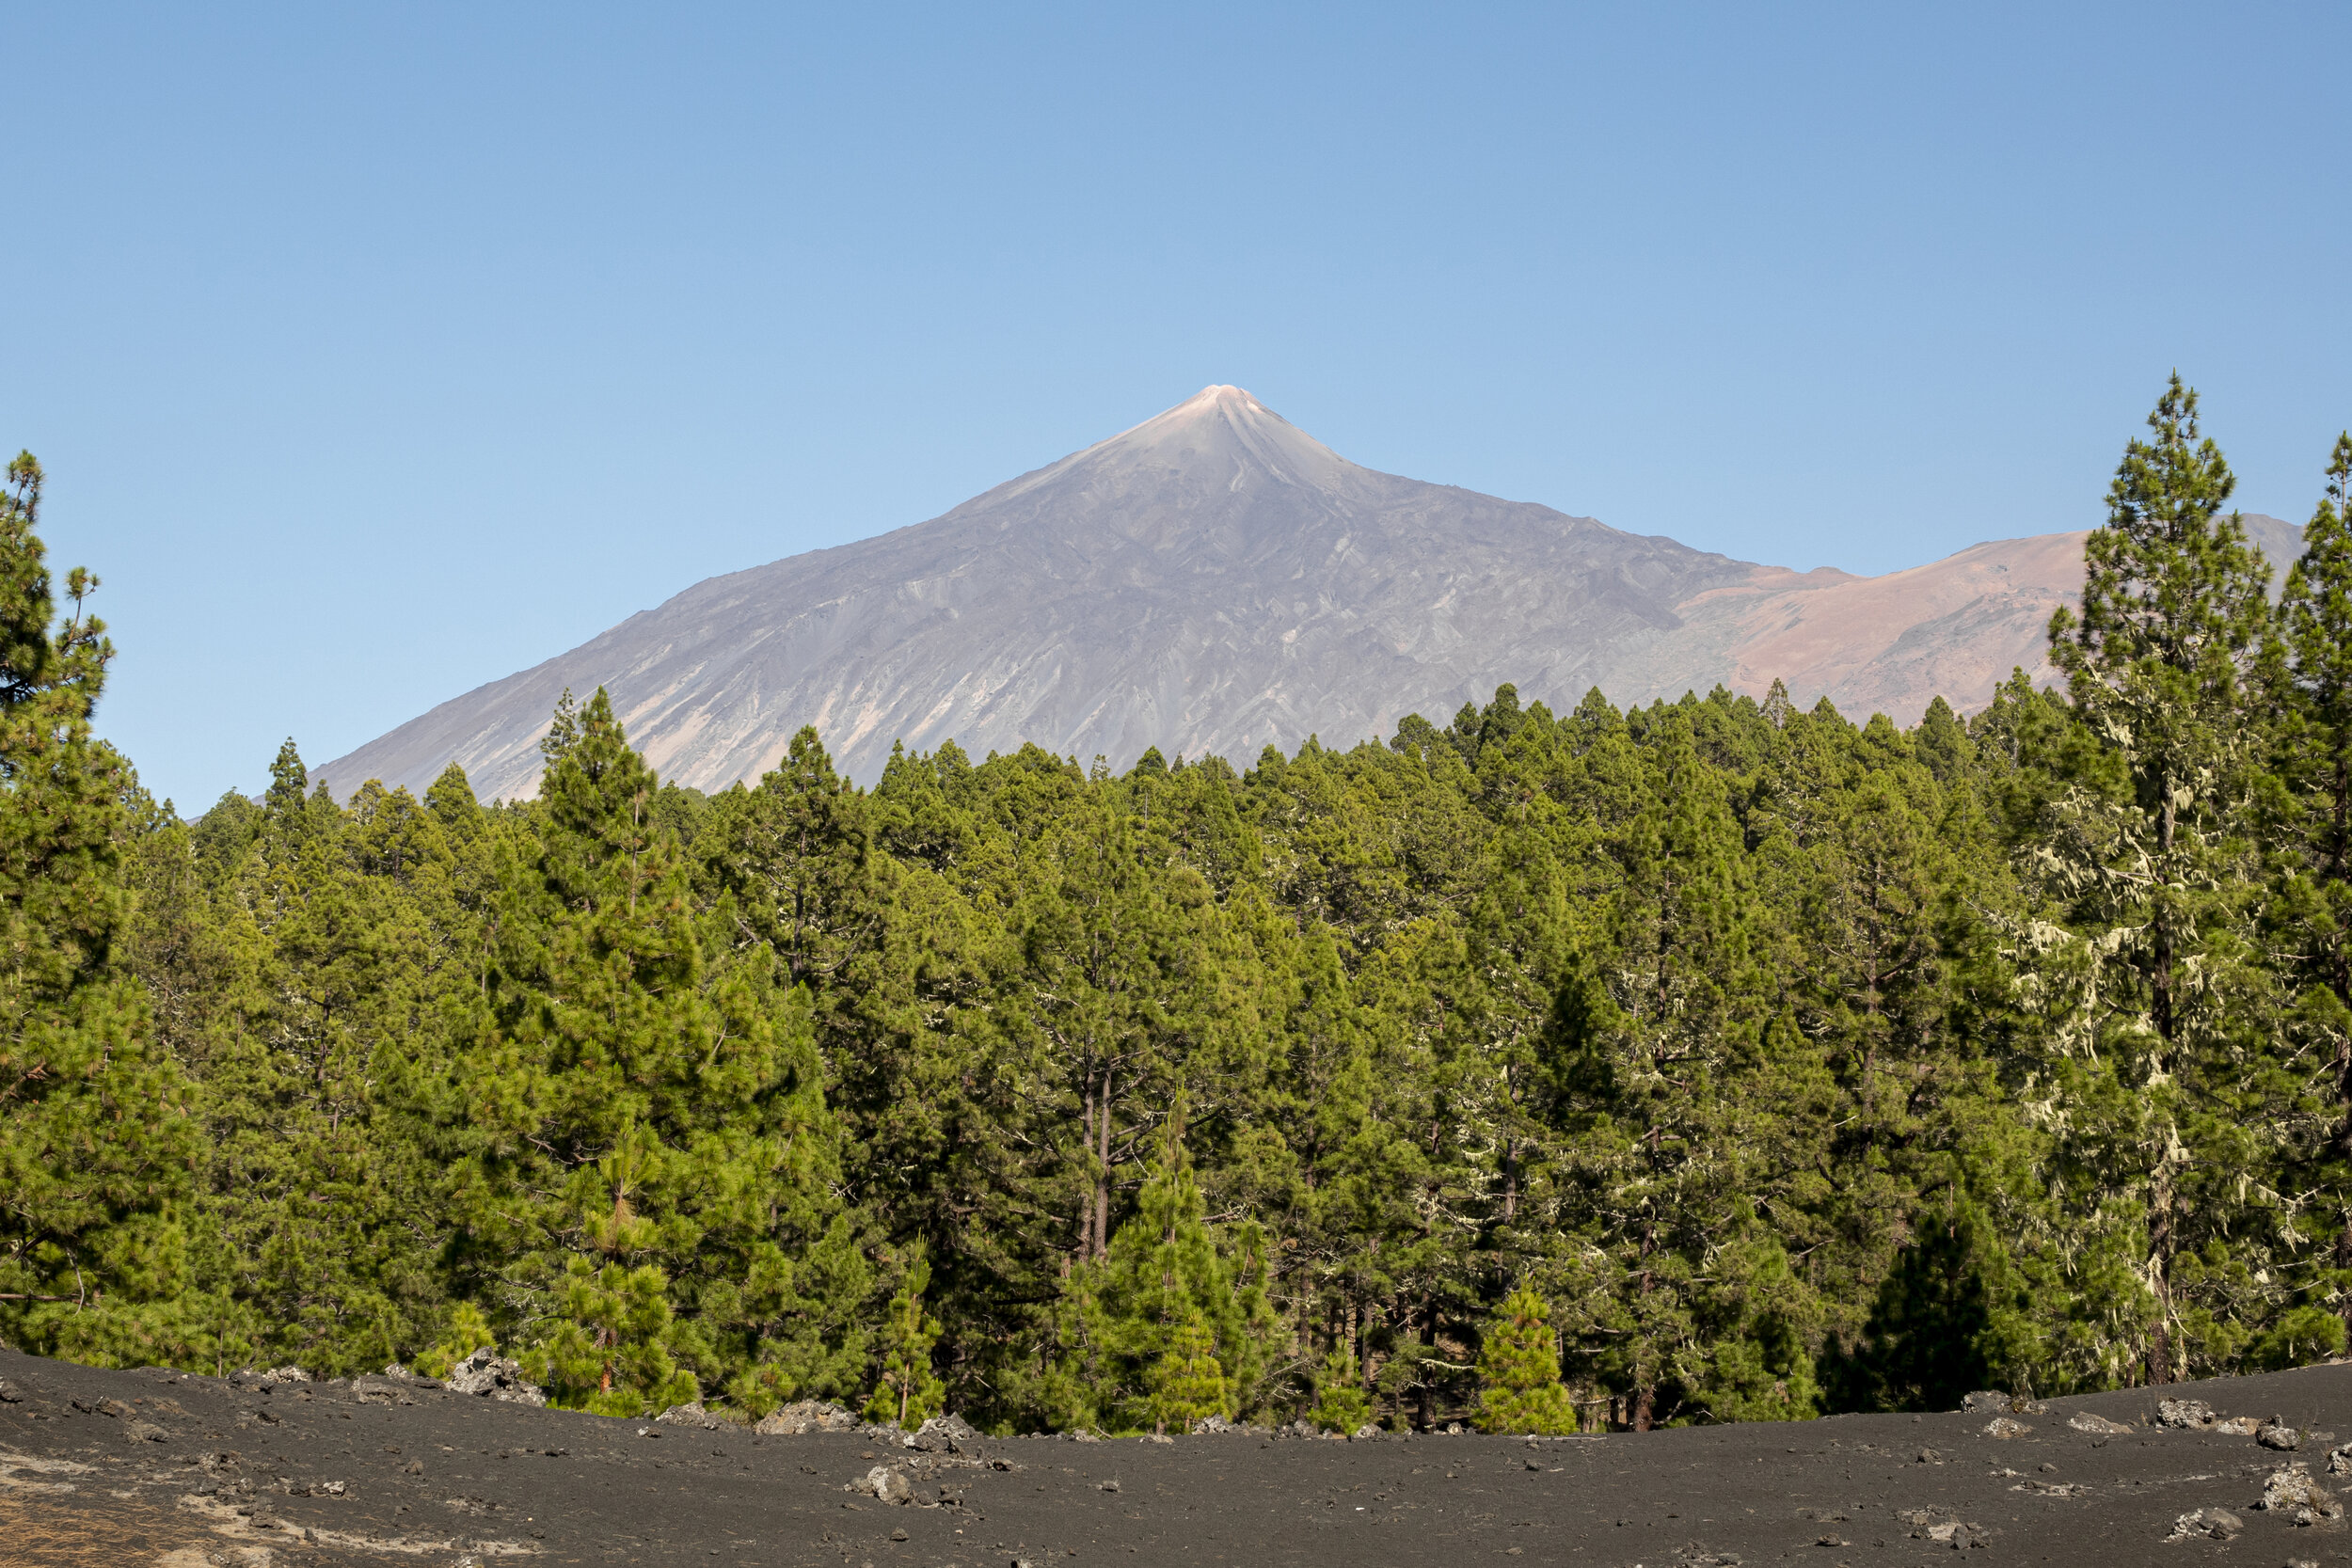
(2005, 1427)
(2184, 1413)
(489, 1375)
(689, 1415)
(803, 1417)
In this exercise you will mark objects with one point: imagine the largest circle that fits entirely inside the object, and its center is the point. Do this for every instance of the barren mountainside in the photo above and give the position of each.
(1214, 579)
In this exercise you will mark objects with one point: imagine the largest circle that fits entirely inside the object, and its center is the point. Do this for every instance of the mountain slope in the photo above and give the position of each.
(1214, 579)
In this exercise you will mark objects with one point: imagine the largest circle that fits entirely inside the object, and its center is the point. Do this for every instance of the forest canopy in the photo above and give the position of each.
(1714, 1060)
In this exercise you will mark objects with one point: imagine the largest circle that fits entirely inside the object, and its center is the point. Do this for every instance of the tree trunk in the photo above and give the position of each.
(1086, 1211)
(1645, 1393)
(2160, 975)
(1429, 1341)
(2343, 1152)
(1103, 1171)
(2344, 1260)
(2336, 846)
(2340, 979)
(2160, 1267)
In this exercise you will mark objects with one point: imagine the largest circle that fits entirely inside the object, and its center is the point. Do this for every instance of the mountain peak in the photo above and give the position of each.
(1215, 580)
(1211, 400)
(1221, 437)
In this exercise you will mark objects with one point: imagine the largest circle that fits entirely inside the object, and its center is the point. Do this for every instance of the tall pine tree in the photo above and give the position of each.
(2312, 912)
(2148, 856)
(642, 1158)
(95, 1137)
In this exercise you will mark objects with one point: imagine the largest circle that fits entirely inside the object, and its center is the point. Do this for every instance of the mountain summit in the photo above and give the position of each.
(1215, 580)
(1220, 434)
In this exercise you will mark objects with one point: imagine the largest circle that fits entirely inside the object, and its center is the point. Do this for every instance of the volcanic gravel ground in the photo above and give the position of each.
(189, 1472)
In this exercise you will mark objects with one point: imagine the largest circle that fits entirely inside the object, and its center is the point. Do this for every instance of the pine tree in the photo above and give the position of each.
(1944, 744)
(613, 1344)
(641, 1159)
(1519, 1371)
(1189, 1382)
(1121, 989)
(797, 851)
(1656, 1036)
(95, 1137)
(2146, 850)
(1354, 1239)
(1860, 1082)
(2312, 907)
(907, 1394)
(1341, 1404)
(1169, 1279)
(466, 1331)
(328, 946)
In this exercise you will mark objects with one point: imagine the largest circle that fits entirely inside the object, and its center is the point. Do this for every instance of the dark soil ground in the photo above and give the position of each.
(183, 1471)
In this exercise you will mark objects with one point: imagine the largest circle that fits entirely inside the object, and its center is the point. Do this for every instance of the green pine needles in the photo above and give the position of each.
(907, 1394)
(1187, 1382)
(1341, 1404)
(1519, 1371)
(1720, 1059)
(96, 1135)
(467, 1331)
(1171, 1325)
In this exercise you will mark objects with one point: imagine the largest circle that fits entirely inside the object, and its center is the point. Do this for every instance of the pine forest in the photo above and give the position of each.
(1548, 1069)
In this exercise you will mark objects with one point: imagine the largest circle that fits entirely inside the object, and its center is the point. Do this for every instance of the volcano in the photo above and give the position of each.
(1216, 580)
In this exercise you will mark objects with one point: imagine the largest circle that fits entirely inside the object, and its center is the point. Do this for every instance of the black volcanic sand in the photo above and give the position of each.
(186, 1472)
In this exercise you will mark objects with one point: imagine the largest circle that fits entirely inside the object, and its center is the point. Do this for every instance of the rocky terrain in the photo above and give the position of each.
(1215, 580)
(185, 1471)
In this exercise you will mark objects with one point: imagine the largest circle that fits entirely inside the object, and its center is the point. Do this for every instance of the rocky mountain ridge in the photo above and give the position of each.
(1214, 579)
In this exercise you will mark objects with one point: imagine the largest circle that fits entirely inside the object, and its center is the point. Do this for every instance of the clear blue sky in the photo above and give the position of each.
(376, 352)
